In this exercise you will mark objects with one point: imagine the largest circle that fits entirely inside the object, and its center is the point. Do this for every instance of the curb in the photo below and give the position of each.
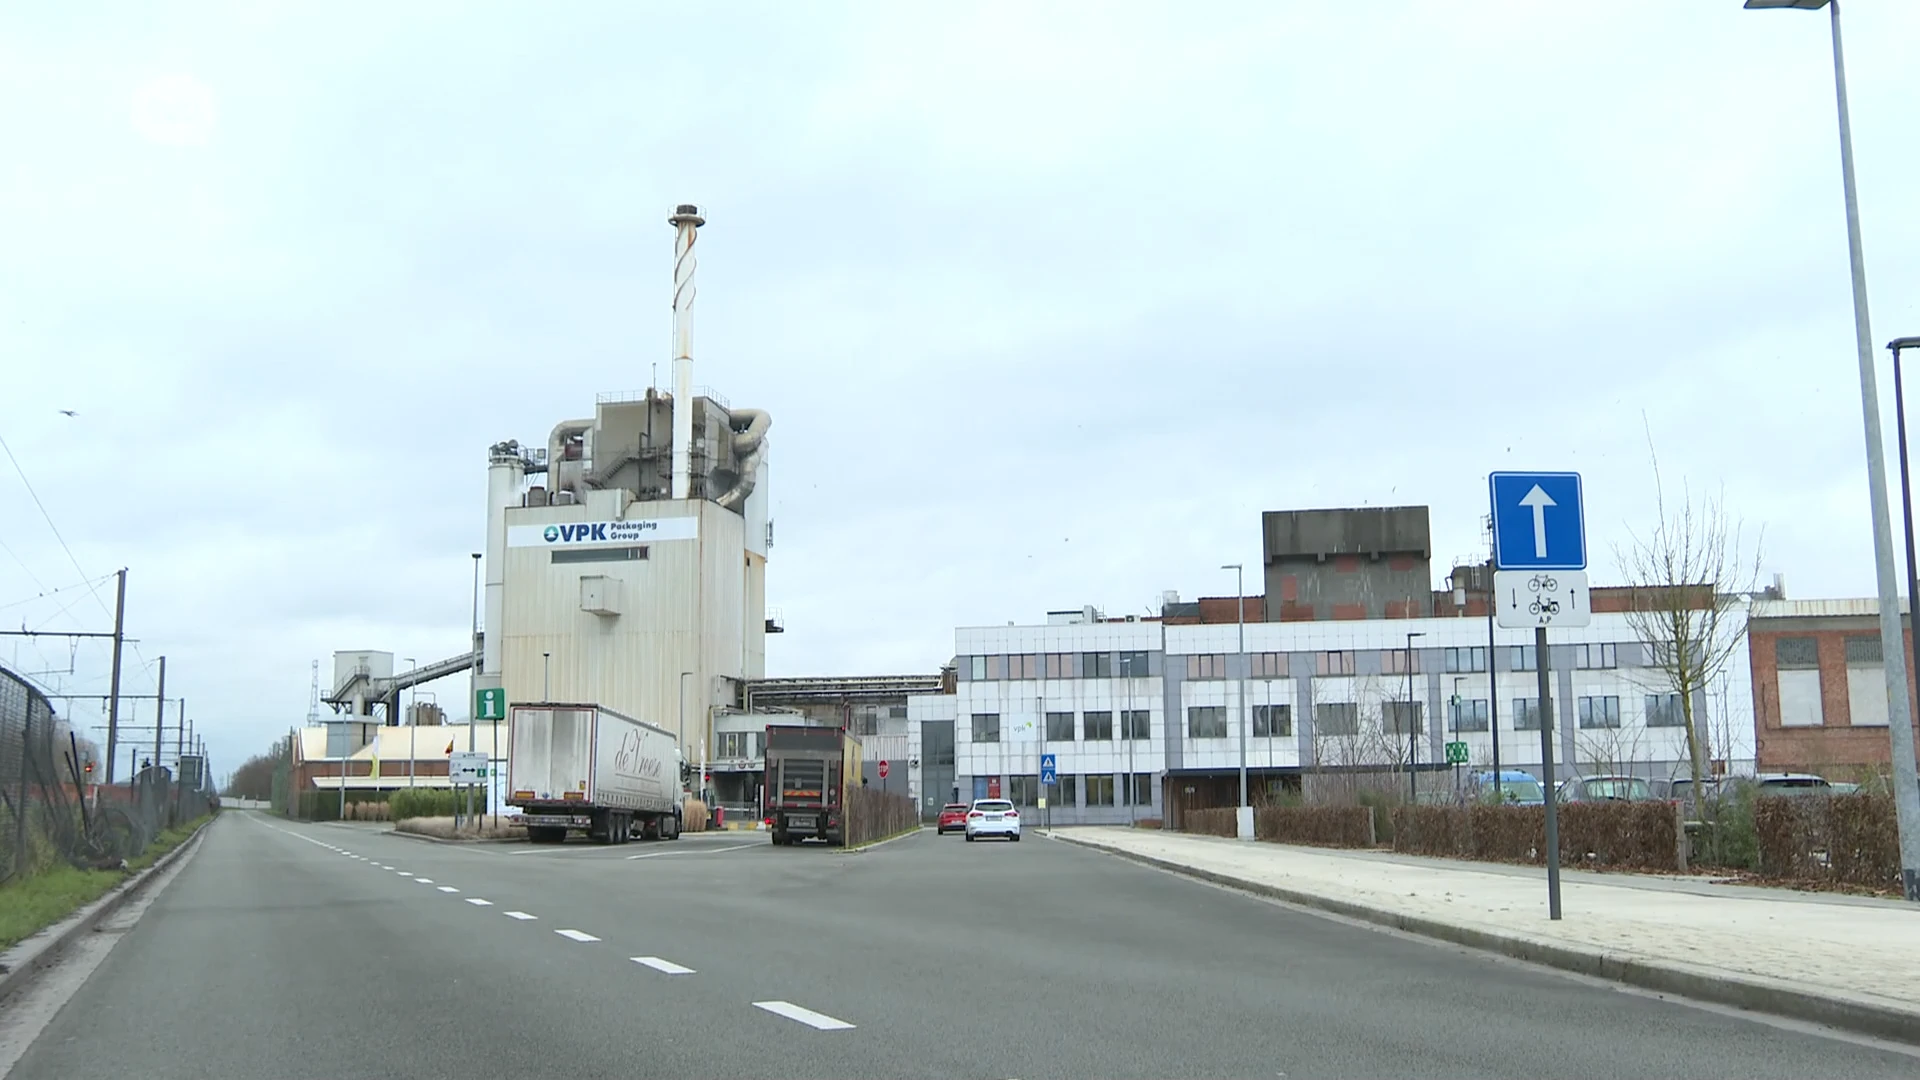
(43, 949)
(1758, 995)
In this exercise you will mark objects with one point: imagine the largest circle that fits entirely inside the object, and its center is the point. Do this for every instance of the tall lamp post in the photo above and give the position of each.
(1906, 788)
(473, 675)
(1896, 347)
(1240, 618)
(1413, 725)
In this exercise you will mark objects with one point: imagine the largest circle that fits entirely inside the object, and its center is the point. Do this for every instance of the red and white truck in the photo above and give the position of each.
(587, 768)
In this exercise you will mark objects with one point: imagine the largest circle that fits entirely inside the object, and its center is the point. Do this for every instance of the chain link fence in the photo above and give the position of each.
(50, 809)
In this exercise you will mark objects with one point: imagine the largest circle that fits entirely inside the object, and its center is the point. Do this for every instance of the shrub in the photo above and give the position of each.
(1636, 835)
(875, 815)
(1219, 821)
(431, 802)
(1326, 826)
(1850, 839)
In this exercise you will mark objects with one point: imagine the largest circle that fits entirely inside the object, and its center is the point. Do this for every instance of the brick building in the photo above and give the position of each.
(1819, 690)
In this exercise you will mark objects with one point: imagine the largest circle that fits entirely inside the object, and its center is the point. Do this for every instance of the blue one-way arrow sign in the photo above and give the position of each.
(1538, 521)
(1047, 774)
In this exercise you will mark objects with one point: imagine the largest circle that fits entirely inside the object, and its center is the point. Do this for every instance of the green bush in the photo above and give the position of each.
(431, 802)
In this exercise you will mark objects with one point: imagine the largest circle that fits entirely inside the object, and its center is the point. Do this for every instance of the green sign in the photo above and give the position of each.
(1456, 753)
(490, 704)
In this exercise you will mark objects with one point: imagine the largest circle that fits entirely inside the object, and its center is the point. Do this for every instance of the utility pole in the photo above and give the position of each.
(113, 691)
(159, 715)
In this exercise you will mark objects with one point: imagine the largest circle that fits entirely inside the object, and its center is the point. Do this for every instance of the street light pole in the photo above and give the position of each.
(1896, 347)
(1893, 651)
(1413, 726)
(473, 675)
(1240, 619)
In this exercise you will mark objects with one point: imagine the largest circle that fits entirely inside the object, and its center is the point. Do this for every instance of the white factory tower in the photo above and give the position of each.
(634, 576)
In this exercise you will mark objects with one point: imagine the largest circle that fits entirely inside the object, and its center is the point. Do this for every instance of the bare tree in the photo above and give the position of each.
(1612, 750)
(1691, 580)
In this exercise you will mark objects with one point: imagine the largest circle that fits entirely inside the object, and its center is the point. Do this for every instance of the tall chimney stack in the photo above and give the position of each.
(686, 218)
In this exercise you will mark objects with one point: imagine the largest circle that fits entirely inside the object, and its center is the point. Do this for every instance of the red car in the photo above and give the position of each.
(952, 816)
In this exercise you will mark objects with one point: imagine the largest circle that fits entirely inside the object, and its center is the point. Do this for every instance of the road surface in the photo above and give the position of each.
(292, 950)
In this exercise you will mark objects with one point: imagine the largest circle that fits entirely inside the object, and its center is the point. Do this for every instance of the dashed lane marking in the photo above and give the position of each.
(577, 935)
(657, 964)
(521, 915)
(806, 1016)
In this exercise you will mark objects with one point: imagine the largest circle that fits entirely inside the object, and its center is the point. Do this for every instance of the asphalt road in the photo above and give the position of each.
(286, 950)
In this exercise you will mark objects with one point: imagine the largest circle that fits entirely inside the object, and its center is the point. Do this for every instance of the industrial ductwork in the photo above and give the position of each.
(750, 446)
(564, 475)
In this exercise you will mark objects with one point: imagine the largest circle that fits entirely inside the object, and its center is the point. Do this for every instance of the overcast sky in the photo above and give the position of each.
(1047, 302)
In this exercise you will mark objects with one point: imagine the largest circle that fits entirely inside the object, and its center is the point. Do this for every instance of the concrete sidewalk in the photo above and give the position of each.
(1846, 961)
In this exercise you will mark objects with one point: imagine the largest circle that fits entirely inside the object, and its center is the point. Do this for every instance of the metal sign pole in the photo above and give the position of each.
(1545, 713)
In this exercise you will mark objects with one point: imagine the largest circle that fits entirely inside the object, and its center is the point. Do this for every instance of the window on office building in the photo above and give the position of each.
(1526, 714)
(1272, 721)
(1206, 721)
(1137, 789)
(1099, 789)
(1401, 717)
(1470, 714)
(1336, 662)
(1133, 665)
(1467, 660)
(1863, 650)
(977, 668)
(986, 727)
(1600, 712)
(1097, 726)
(1023, 666)
(1066, 790)
(1663, 710)
(1268, 665)
(1096, 665)
(1023, 790)
(1336, 718)
(1596, 655)
(996, 668)
(1520, 657)
(1207, 666)
(1399, 662)
(1059, 665)
(1136, 724)
(1059, 727)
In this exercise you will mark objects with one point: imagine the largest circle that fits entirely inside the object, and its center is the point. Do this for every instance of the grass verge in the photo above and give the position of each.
(33, 904)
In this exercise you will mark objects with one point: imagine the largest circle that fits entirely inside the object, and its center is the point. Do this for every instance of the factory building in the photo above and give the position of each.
(626, 557)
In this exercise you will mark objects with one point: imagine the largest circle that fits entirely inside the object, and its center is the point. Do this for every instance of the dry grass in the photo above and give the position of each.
(483, 828)
(694, 816)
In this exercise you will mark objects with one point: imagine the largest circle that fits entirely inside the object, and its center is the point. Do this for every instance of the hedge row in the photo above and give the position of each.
(1851, 839)
(1322, 826)
(875, 815)
(1627, 835)
(432, 802)
(1215, 822)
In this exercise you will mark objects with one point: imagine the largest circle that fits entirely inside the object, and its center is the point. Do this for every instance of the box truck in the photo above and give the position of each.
(808, 772)
(587, 768)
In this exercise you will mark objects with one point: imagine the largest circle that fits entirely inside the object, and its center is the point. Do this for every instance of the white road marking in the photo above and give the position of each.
(577, 935)
(448, 888)
(405, 873)
(521, 915)
(806, 1016)
(705, 851)
(477, 902)
(424, 880)
(658, 964)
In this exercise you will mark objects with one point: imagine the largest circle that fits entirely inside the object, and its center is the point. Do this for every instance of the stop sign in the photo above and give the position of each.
(883, 770)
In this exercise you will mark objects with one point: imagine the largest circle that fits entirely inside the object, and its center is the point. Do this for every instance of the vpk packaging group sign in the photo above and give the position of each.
(590, 534)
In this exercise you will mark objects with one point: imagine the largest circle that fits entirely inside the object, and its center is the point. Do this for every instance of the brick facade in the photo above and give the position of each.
(1834, 748)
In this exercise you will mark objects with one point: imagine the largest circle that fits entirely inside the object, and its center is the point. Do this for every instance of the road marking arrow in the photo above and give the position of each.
(1539, 500)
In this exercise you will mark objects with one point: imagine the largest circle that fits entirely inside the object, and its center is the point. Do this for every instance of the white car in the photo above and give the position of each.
(993, 817)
